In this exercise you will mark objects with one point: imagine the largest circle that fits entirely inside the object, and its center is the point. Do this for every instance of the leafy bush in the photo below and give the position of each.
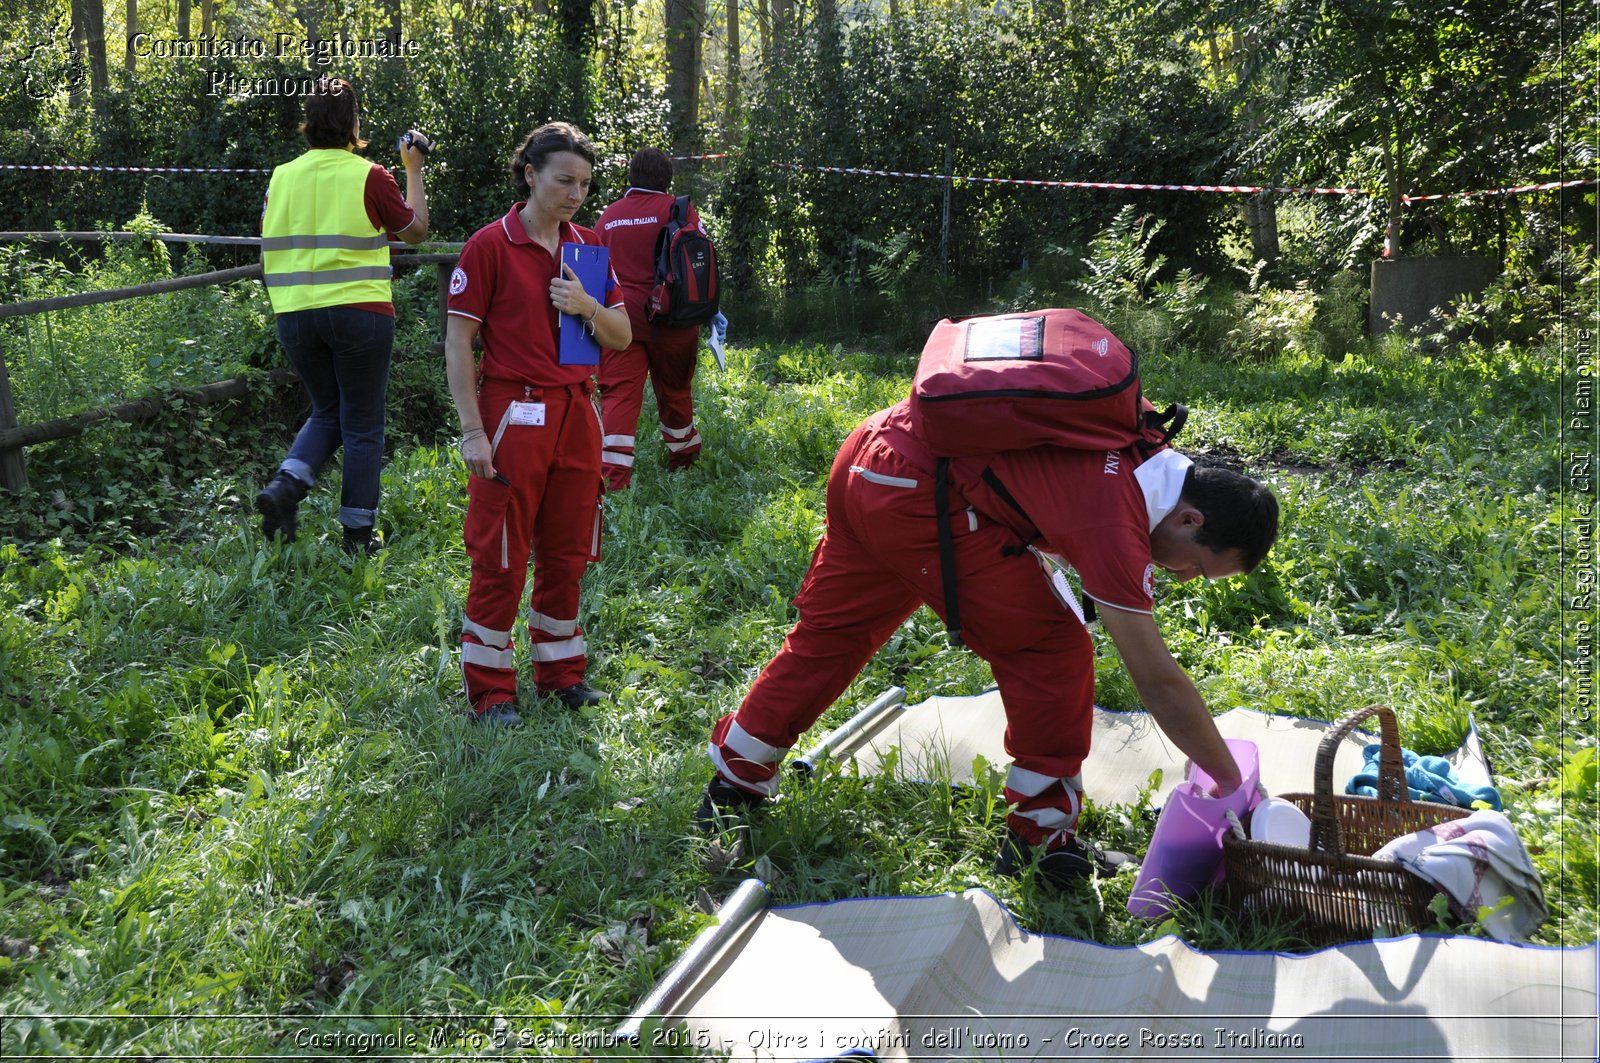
(1008, 95)
(1341, 315)
(1520, 305)
(1122, 268)
(66, 361)
(1272, 320)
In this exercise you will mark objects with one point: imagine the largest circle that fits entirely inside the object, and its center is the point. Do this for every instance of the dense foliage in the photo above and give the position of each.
(1392, 96)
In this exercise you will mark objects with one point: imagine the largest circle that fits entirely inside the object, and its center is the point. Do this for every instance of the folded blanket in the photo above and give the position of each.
(1428, 779)
(1479, 862)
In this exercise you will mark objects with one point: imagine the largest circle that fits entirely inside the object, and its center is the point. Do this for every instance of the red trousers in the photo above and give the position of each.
(877, 562)
(549, 510)
(668, 359)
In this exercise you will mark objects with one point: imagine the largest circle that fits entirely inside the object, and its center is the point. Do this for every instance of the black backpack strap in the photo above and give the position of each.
(1168, 423)
(999, 488)
(680, 211)
(947, 550)
(989, 477)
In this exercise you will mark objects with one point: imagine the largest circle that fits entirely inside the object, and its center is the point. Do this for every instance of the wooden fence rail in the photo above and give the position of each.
(14, 437)
(112, 295)
(137, 410)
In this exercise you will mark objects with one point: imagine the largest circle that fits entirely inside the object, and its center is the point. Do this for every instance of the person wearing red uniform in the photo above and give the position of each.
(1015, 516)
(530, 430)
(664, 353)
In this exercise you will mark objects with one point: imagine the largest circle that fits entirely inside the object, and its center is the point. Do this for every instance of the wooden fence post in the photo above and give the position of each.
(944, 225)
(13, 472)
(445, 269)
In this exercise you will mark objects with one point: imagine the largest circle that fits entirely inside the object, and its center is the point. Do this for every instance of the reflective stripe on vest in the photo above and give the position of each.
(319, 247)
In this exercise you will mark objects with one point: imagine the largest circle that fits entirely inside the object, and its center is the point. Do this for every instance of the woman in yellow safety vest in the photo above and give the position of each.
(325, 231)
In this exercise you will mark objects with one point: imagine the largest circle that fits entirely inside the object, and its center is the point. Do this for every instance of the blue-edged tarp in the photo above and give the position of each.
(953, 977)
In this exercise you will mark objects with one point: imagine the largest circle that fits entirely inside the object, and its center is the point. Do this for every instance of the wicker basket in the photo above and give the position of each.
(1335, 888)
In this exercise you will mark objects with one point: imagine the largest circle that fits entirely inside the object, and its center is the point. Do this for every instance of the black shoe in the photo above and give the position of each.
(361, 541)
(722, 802)
(500, 714)
(279, 503)
(1061, 867)
(579, 695)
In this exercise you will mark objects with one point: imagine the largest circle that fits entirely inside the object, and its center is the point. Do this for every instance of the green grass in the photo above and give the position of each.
(237, 780)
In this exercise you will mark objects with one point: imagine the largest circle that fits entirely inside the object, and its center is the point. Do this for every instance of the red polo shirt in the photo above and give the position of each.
(1085, 505)
(629, 227)
(503, 283)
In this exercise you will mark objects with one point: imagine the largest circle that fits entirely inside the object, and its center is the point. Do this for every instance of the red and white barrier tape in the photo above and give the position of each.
(1499, 191)
(218, 169)
(1115, 185)
(1245, 189)
(133, 169)
(1125, 186)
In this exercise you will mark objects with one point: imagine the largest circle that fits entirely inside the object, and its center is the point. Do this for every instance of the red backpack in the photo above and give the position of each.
(686, 288)
(1045, 377)
(1016, 381)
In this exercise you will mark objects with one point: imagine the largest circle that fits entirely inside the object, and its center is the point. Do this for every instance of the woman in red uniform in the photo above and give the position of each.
(530, 434)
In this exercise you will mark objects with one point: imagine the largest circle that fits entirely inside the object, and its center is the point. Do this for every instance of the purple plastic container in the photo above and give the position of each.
(1185, 854)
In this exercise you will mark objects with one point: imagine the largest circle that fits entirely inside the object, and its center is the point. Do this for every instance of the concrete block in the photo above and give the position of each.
(1410, 288)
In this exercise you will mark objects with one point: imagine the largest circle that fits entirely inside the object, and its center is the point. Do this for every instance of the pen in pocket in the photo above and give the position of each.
(500, 478)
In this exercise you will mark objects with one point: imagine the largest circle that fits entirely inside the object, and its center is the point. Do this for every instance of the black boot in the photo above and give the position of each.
(722, 804)
(1062, 867)
(361, 541)
(279, 503)
(579, 695)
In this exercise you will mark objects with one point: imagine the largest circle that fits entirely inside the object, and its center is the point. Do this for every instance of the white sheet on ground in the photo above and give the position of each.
(942, 738)
(952, 977)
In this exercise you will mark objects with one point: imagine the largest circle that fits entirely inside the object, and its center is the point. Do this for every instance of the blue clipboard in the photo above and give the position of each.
(591, 263)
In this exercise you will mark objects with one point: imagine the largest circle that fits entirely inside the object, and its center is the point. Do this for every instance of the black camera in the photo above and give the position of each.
(413, 139)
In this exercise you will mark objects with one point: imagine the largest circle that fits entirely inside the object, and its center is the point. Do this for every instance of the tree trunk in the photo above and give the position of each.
(1261, 214)
(76, 80)
(733, 115)
(306, 12)
(830, 47)
(183, 20)
(1393, 175)
(578, 25)
(94, 24)
(208, 18)
(683, 20)
(132, 11)
(1260, 210)
(944, 222)
(782, 17)
(393, 35)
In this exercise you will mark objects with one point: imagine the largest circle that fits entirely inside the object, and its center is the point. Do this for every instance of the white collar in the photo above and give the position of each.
(1161, 477)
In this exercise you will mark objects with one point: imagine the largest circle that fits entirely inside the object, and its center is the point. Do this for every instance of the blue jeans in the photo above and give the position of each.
(342, 355)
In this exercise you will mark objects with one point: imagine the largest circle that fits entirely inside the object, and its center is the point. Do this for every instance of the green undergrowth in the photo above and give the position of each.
(238, 781)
